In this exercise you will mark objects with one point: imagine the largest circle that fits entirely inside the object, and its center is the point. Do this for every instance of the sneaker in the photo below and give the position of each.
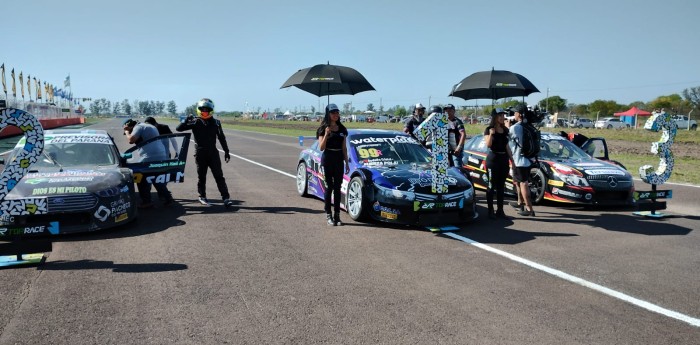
(337, 221)
(204, 201)
(329, 220)
(228, 203)
(517, 206)
(526, 213)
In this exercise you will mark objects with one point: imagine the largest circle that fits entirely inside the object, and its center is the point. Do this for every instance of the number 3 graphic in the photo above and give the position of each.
(662, 148)
(18, 167)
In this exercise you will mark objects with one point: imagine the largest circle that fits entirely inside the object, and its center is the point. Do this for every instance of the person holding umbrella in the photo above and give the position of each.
(496, 139)
(331, 136)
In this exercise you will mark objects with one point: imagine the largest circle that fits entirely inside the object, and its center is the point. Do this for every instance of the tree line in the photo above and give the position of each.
(104, 106)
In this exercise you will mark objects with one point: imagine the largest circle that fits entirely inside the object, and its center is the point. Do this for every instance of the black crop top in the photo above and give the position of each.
(335, 141)
(500, 140)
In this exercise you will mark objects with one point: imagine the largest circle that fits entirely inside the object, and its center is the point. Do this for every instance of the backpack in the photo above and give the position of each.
(531, 141)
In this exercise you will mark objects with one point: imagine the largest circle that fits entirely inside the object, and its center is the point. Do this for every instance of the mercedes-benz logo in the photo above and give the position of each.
(612, 181)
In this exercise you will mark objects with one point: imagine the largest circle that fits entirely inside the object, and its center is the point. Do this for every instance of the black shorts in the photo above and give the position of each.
(521, 174)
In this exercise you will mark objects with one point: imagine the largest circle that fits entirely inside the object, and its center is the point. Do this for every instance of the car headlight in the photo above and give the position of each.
(389, 193)
(569, 175)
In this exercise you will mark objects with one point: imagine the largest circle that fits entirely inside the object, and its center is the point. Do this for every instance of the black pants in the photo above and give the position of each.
(497, 169)
(210, 160)
(333, 166)
(145, 191)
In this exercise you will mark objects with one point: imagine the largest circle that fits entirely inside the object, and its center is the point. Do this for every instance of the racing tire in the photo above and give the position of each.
(355, 202)
(302, 180)
(538, 183)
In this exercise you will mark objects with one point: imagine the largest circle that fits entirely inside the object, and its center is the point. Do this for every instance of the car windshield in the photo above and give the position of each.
(555, 147)
(388, 150)
(67, 155)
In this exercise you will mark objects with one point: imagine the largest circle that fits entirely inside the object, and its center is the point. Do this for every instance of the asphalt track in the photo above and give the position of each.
(271, 271)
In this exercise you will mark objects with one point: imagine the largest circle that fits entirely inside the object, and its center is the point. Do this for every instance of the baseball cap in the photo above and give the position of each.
(436, 109)
(332, 107)
(448, 106)
(420, 106)
(520, 108)
(501, 111)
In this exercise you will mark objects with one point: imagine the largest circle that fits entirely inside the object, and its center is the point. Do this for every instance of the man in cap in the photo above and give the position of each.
(456, 136)
(416, 120)
(521, 164)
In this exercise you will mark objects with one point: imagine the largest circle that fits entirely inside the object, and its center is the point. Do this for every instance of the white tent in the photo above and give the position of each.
(288, 113)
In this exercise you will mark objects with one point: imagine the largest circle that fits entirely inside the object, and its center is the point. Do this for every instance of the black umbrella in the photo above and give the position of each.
(493, 84)
(326, 80)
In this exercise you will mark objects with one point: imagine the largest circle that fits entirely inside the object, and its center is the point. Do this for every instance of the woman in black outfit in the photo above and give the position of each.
(496, 138)
(331, 136)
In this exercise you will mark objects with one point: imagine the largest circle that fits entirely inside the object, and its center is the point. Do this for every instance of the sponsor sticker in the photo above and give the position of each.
(617, 172)
(59, 190)
(388, 215)
(433, 205)
(121, 218)
(558, 191)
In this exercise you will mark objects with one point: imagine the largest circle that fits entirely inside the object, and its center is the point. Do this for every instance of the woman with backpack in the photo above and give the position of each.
(496, 139)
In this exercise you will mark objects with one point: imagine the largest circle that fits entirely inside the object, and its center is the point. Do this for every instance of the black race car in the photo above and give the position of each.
(88, 185)
(390, 180)
(564, 173)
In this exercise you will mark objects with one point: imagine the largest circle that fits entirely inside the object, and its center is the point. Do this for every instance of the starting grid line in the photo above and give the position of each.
(551, 271)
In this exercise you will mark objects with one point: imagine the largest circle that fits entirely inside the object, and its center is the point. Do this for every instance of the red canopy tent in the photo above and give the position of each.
(634, 111)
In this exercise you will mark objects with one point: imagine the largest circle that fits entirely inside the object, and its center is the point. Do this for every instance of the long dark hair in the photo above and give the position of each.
(327, 120)
(494, 122)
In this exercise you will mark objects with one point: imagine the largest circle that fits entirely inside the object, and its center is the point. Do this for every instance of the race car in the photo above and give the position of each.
(87, 184)
(390, 180)
(564, 172)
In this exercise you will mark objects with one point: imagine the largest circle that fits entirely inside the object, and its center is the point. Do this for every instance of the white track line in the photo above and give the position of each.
(557, 273)
(576, 280)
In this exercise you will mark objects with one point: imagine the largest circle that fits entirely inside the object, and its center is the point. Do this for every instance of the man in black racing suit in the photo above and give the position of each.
(205, 130)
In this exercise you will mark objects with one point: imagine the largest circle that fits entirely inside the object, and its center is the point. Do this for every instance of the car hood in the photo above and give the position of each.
(416, 178)
(593, 167)
(69, 181)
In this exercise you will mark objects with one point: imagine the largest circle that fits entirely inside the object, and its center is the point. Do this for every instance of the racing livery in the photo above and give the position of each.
(564, 172)
(390, 180)
(87, 184)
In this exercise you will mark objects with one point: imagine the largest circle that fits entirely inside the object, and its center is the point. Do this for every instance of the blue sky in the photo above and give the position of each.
(240, 52)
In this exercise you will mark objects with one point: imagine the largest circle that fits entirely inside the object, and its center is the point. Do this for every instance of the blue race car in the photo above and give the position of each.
(390, 180)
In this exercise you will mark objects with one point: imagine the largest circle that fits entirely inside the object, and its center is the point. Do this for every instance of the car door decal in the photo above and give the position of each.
(161, 170)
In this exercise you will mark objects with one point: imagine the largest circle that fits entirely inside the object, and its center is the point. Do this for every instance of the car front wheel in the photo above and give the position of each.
(609, 126)
(302, 179)
(538, 182)
(355, 199)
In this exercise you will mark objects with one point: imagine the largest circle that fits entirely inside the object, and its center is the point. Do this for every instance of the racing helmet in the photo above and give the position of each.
(205, 108)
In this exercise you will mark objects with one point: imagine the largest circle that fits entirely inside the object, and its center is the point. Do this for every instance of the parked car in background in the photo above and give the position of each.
(682, 122)
(582, 123)
(383, 118)
(611, 122)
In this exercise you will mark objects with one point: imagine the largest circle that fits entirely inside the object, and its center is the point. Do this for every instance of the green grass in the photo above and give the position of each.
(684, 170)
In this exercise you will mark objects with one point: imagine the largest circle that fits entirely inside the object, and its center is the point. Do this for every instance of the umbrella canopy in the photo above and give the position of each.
(634, 111)
(493, 84)
(326, 80)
